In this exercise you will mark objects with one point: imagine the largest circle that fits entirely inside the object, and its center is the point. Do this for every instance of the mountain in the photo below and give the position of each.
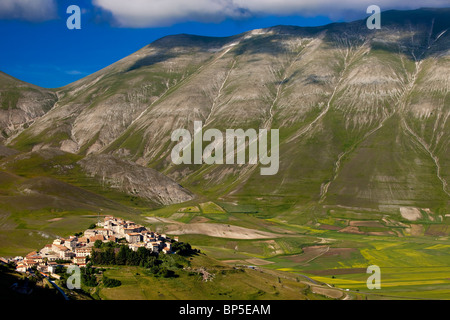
(134, 179)
(20, 104)
(362, 113)
(94, 172)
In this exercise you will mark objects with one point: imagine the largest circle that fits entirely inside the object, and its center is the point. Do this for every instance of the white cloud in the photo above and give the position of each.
(152, 13)
(333, 8)
(142, 13)
(29, 10)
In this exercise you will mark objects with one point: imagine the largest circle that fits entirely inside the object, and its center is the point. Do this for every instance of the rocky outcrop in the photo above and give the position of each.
(21, 104)
(134, 179)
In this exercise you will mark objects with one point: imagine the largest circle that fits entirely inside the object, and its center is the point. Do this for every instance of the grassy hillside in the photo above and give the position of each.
(225, 283)
(45, 194)
(341, 96)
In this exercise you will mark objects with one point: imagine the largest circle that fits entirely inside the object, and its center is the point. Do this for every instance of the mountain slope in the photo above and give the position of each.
(94, 111)
(362, 113)
(136, 180)
(21, 104)
(102, 174)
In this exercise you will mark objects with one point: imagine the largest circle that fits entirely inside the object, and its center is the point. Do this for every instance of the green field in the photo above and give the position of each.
(414, 265)
(227, 283)
(43, 198)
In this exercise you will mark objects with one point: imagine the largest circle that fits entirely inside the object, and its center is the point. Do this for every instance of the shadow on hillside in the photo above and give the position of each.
(13, 286)
(426, 24)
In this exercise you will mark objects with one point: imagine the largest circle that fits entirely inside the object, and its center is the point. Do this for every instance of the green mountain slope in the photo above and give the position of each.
(333, 92)
(21, 104)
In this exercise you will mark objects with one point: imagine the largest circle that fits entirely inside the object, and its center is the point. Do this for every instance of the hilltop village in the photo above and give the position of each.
(75, 250)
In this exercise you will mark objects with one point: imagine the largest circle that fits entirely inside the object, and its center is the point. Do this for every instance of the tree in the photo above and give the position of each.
(110, 244)
(133, 258)
(98, 244)
(96, 257)
(149, 262)
(89, 279)
(59, 269)
(183, 249)
(143, 253)
(122, 256)
(109, 256)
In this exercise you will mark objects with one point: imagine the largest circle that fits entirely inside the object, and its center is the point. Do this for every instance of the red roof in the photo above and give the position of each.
(95, 238)
(61, 248)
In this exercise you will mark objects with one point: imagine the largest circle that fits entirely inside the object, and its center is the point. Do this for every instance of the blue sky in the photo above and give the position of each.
(38, 48)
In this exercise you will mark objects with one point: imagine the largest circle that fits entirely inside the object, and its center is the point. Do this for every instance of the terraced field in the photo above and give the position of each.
(338, 248)
(227, 283)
